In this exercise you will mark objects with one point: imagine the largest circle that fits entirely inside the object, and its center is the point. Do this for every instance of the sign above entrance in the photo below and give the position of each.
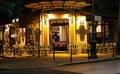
(59, 22)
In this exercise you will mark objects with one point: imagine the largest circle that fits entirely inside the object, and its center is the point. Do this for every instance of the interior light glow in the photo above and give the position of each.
(98, 29)
(24, 30)
(6, 28)
(65, 16)
(51, 16)
(13, 35)
(81, 20)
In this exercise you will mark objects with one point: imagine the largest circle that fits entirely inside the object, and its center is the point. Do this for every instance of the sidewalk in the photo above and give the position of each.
(47, 61)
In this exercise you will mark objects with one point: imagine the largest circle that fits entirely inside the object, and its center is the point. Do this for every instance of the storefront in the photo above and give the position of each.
(59, 28)
(61, 23)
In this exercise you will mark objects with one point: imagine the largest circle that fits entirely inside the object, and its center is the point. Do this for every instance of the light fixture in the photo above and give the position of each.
(13, 20)
(17, 19)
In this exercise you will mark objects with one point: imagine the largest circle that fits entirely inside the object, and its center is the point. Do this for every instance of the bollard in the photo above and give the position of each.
(38, 50)
(71, 52)
(45, 51)
(88, 54)
(13, 51)
(33, 48)
(113, 51)
(88, 51)
(53, 54)
(71, 55)
(53, 48)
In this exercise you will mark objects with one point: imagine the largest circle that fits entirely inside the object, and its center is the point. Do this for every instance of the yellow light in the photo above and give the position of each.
(98, 28)
(13, 35)
(65, 16)
(51, 16)
(24, 30)
(7, 28)
(81, 20)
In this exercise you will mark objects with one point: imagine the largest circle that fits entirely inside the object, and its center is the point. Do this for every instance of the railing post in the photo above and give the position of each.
(71, 52)
(53, 53)
(33, 49)
(88, 49)
(13, 51)
(113, 50)
(38, 50)
(53, 48)
(45, 50)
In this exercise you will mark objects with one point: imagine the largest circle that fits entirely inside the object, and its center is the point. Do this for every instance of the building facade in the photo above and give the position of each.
(70, 24)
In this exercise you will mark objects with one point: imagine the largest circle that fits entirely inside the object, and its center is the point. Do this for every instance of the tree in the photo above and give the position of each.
(10, 9)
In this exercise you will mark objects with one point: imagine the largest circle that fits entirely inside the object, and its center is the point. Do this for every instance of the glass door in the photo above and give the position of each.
(59, 37)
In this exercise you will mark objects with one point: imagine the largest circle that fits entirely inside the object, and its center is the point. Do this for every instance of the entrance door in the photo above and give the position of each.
(59, 35)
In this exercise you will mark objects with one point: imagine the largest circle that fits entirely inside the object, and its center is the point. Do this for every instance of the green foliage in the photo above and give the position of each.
(10, 9)
(6, 8)
(19, 8)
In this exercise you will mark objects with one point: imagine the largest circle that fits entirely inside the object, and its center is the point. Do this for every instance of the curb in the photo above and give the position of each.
(92, 61)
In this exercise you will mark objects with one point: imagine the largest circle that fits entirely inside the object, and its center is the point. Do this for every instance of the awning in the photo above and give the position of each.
(58, 4)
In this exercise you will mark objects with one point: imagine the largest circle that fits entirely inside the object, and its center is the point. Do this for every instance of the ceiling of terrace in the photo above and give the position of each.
(58, 5)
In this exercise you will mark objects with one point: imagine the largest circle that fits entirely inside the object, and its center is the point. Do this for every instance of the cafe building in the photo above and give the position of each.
(68, 25)
(64, 25)
(60, 22)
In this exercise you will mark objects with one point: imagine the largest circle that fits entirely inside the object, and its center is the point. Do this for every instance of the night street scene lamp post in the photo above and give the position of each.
(13, 30)
(13, 34)
(93, 53)
(15, 22)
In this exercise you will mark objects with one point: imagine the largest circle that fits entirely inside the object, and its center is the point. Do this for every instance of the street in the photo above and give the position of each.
(34, 71)
(108, 67)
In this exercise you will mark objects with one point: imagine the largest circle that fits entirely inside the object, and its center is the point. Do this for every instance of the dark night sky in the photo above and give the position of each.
(26, 12)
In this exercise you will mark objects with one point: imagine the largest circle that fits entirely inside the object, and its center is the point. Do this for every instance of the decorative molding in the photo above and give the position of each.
(82, 31)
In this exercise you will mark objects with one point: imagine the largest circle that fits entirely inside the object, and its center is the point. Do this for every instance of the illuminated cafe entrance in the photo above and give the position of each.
(59, 33)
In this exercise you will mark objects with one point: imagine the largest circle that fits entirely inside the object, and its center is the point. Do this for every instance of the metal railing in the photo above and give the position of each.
(73, 49)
